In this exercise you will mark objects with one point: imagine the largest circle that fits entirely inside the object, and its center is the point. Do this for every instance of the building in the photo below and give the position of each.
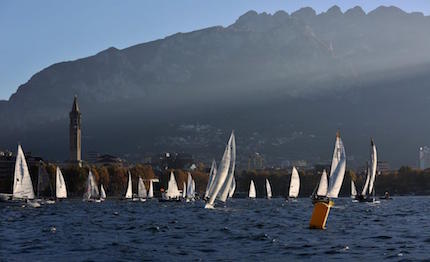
(75, 134)
(383, 168)
(424, 157)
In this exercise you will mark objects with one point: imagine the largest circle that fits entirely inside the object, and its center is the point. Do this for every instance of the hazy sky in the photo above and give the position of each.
(36, 34)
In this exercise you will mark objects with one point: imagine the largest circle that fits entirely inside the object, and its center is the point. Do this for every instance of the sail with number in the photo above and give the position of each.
(129, 192)
(232, 188)
(221, 174)
(372, 166)
(92, 190)
(353, 189)
(294, 184)
(151, 189)
(172, 188)
(252, 193)
(268, 189)
(60, 189)
(223, 194)
(22, 185)
(141, 189)
(102, 192)
(323, 185)
(338, 167)
(211, 178)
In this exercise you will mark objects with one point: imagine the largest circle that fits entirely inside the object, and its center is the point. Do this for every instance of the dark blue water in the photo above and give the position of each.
(244, 230)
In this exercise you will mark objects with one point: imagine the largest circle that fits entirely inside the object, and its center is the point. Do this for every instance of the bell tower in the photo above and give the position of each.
(75, 133)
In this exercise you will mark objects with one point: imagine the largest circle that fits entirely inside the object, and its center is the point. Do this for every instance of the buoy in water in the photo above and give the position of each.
(320, 214)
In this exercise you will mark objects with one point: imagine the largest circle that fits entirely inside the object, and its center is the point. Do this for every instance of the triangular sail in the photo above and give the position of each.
(102, 192)
(294, 184)
(221, 174)
(323, 185)
(190, 190)
(211, 176)
(338, 166)
(223, 194)
(141, 189)
(172, 187)
(22, 185)
(129, 192)
(232, 188)
(373, 166)
(60, 189)
(184, 190)
(268, 189)
(353, 189)
(252, 193)
(366, 184)
(151, 189)
(92, 190)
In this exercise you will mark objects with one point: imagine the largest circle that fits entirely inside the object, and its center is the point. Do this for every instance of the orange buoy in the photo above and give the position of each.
(320, 214)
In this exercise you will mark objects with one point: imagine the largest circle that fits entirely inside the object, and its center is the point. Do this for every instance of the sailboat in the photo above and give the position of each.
(368, 192)
(232, 188)
(60, 185)
(92, 192)
(337, 173)
(184, 190)
(190, 188)
(221, 185)
(212, 173)
(353, 190)
(321, 192)
(22, 185)
(268, 189)
(102, 193)
(252, 193)
(129, 192)
(293, 192)
(141, 190)
(151, 189)
(172, 193)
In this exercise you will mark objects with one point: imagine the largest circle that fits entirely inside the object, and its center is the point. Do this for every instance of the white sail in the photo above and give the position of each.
(211, 176)
(190, 190)
(60, 189)
(221, 174)
(353, 189)
(92, 190)
(225, 189)
(184, 190)
(129, 192)
(373, 166)
(172, 188)
(232, 189)
(252, 193)
(294, 184)
(151, 189)
(268, 189)
(366, 184)
(141, 189)
(323, 185)
(212, 185)
(22, 185)
(338, 167)
(102, 192)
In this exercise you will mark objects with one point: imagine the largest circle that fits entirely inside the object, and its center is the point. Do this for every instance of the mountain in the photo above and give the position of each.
(284, 82)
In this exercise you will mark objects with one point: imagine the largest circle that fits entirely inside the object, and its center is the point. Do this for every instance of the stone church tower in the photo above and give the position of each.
(75, 133)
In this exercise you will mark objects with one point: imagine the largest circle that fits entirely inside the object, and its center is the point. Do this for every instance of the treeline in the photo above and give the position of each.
(405, 181)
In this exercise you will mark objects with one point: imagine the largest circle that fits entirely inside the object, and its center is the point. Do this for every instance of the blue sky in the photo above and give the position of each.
(36, 34)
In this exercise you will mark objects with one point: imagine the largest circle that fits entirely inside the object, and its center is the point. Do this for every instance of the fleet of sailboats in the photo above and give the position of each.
(221, 181)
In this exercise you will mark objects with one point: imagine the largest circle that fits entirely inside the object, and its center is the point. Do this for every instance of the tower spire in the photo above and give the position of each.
(75, 133)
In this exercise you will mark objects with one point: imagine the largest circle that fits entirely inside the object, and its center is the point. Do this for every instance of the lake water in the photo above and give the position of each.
(269, 230)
